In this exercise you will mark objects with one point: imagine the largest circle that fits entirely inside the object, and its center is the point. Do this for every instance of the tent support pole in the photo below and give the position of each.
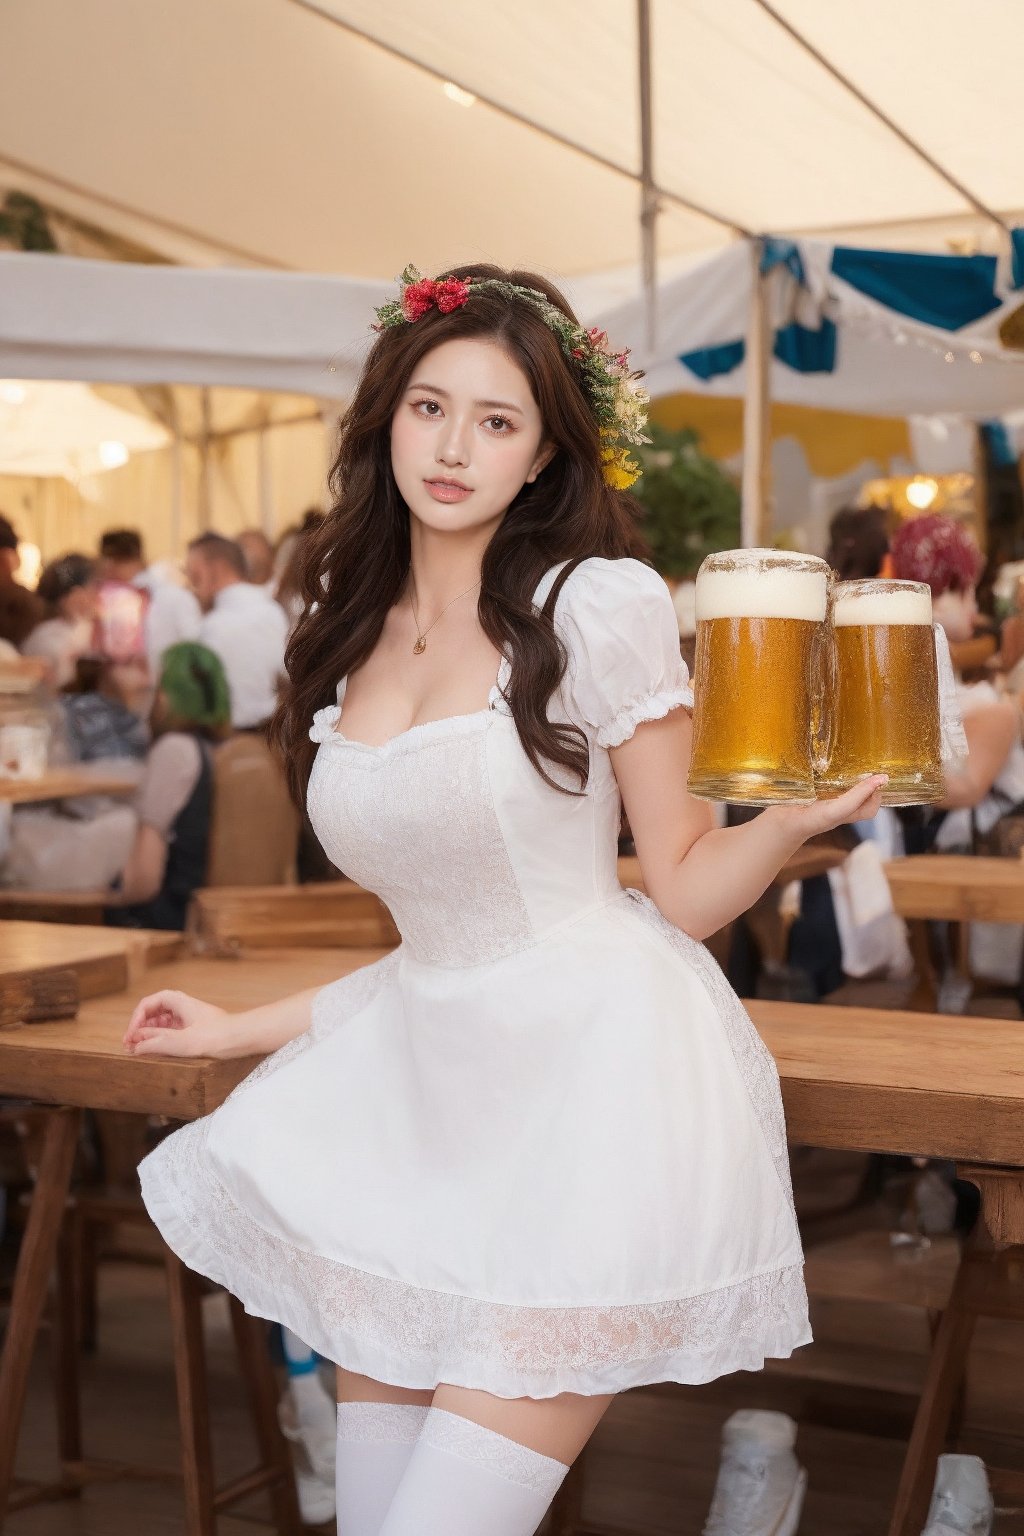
(205, 497)
(756, 487)
(648, 188)
(177, 480)
(266, 496)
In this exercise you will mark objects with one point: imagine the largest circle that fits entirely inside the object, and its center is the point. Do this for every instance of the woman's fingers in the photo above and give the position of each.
(854, 804)
(167, 1006)
(160, 1042)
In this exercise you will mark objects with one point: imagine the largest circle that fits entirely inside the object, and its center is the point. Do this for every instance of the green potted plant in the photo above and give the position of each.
(691, 507)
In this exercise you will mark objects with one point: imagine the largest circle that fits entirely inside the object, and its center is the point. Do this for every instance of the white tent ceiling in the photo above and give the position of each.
(302, 134)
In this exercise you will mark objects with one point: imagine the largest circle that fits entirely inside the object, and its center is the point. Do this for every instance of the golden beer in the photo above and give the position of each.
(884, 691)
(760, 625)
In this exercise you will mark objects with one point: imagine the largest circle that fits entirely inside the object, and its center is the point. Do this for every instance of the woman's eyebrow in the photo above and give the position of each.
(502, 405)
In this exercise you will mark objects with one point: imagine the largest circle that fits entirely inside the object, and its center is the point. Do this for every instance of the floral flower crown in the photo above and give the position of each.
(613, 390)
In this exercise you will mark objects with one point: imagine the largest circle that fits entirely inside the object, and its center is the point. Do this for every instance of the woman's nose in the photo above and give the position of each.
(452, 447)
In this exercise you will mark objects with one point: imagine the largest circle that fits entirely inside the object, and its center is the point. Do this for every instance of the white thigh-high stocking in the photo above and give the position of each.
(375, 1441)
(465, 1480)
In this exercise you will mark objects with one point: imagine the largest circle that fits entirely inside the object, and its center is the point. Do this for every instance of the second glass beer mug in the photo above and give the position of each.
(884, 694)
(760, 629)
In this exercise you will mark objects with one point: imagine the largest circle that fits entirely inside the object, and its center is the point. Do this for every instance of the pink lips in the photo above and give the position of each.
(447, 490)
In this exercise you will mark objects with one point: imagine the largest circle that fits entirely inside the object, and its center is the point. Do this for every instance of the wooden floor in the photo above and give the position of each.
(651, 1466)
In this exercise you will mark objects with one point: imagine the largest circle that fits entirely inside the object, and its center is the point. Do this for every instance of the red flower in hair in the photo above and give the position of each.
(450, 294)
(446, 295)
(936, 550)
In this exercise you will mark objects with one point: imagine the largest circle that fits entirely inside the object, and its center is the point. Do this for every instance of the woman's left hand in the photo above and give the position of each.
(860, 803)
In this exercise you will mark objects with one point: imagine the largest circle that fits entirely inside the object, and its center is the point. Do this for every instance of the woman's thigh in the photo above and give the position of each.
(353, 1388)
(554, 1426)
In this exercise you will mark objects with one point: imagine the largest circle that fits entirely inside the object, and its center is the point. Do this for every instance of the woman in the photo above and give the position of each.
(167, 863)
(989, 784)
(536, 1155)
(858, 542)
(69, 588)
(940, 552)
(101, 710)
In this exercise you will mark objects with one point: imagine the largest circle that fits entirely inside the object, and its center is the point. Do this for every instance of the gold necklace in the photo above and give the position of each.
(421, 634)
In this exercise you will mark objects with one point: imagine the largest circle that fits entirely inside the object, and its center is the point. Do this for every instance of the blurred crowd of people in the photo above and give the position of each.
(146, 667)
(983, 808)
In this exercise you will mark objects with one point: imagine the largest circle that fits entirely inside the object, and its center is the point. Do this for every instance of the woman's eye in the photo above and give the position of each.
(428, 407)
(498, 423)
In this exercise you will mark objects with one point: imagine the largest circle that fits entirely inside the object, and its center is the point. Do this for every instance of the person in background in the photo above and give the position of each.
(20, 609)
(69, 589)
(258, 553)
(171, 612)
(100, 709)
(984, 794)
(858, 543)
(940, 552)
(242, 624)
(167, 862)
(290, 555)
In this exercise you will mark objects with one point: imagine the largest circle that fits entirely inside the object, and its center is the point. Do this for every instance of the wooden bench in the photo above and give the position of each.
(336, 914)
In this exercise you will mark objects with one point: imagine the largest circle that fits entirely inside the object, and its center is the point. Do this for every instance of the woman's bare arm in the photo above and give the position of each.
(172, 1023)
(990, 732)
(701, 876)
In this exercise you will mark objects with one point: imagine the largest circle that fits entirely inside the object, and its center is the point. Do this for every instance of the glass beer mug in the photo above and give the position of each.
(884, 692)
(760, 632)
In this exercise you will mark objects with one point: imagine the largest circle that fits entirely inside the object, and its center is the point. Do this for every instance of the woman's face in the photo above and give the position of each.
(467, 435)
(956, 612)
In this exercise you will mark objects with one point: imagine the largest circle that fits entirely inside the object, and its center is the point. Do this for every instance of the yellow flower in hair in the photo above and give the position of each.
(619, 470)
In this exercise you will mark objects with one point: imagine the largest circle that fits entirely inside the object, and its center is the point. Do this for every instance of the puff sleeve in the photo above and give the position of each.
(619, 627)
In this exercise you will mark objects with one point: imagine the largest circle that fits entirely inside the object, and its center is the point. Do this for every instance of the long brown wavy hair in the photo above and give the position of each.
(357, 562)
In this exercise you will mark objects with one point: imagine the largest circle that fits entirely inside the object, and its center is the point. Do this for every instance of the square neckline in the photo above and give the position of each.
(494, 697)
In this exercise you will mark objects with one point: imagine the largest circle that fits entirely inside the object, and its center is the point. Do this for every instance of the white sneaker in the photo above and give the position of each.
(761, 1485)
(311, 1421)
(316, 1497)
(961, 1499)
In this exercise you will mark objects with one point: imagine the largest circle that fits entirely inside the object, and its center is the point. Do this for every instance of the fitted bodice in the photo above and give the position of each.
(475, 856)
(450, 824)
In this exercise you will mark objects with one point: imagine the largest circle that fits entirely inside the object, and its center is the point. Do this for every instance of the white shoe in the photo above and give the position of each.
(961, 1499)
(761, 1485)
(316, 1431)
(316, 1498)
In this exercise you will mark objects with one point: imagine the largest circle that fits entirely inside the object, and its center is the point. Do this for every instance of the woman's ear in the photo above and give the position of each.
(543, 459)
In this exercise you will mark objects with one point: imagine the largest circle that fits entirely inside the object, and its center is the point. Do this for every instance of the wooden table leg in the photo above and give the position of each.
(925, 996)
(35, 1263)
(65, 1352)
(193, 1407)
(261, 1388)
(1000, 1225)
(946, 1365)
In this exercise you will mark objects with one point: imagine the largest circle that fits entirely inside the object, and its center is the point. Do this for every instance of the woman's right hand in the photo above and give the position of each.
(171, 1023)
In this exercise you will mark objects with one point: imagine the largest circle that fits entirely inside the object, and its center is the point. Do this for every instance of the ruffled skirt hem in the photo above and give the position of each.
(417, 1338)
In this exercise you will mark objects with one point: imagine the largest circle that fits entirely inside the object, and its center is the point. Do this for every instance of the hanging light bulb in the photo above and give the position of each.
(112, 454)
(921, 492)
(458, 95)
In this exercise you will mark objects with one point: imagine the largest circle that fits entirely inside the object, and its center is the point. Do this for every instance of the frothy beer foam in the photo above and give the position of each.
(765, 591)
(898, 605)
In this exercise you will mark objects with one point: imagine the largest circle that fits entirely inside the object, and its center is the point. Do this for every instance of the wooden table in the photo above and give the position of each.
(65, 783)
(958, 888)
(81, 1064)
(937, 1085)
(859, 1079)
(954, 888)
(104, 959)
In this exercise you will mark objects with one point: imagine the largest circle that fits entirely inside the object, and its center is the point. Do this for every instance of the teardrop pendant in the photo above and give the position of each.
(420, 646)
